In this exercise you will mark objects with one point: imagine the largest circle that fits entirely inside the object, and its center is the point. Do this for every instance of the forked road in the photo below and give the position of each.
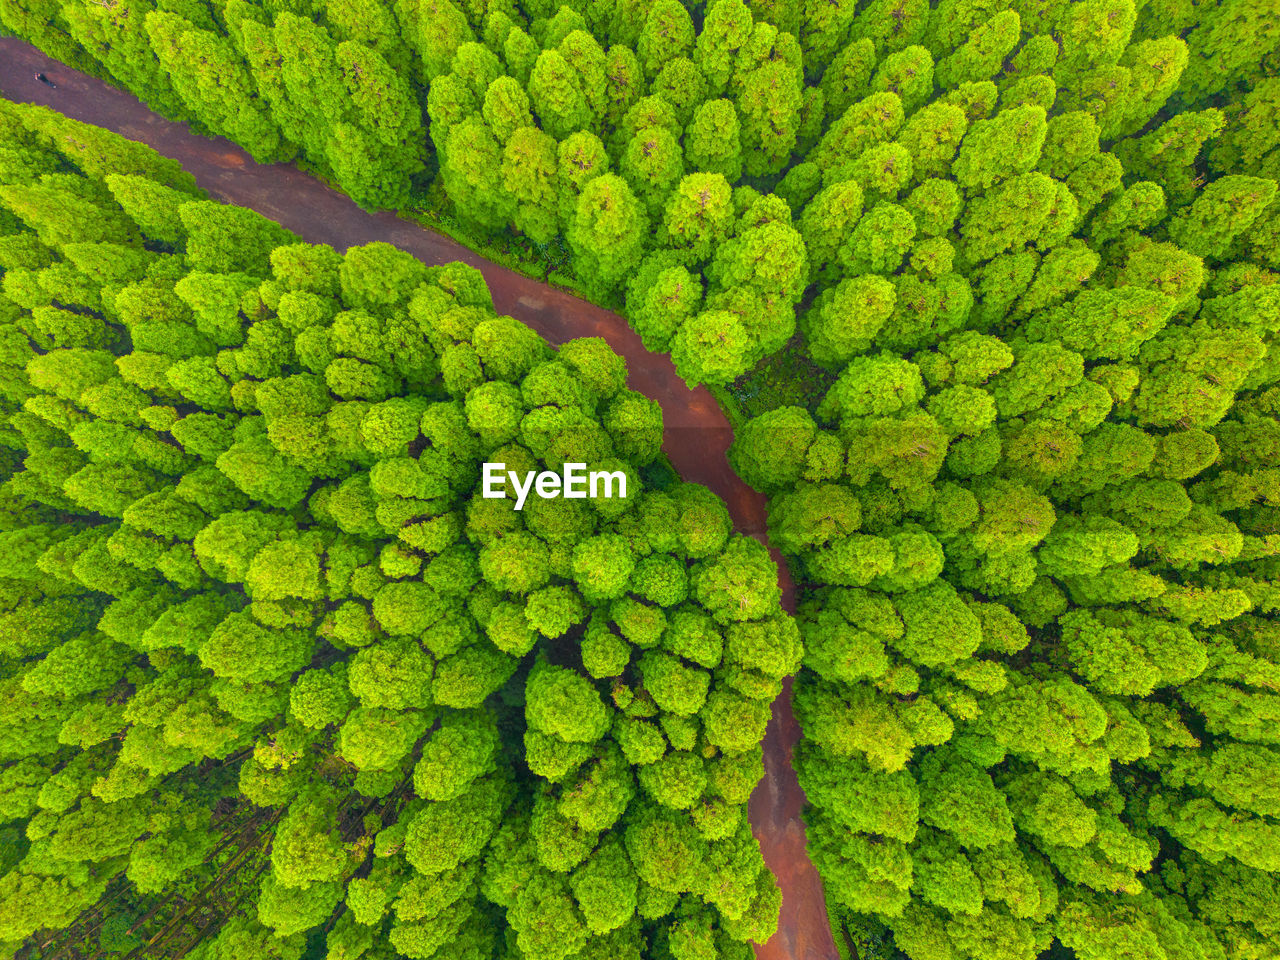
(697, 433)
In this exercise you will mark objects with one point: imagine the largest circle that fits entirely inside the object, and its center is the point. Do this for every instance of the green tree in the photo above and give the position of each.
(607, 232)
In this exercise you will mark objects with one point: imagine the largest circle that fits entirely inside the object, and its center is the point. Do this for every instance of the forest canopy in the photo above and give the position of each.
(266, 653)
(991, 288)
(715, 166)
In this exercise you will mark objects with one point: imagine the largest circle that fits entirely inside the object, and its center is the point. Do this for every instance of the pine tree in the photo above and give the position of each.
(607, 231)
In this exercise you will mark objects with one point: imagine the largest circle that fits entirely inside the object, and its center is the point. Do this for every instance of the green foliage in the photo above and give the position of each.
(1003, 275)
(266, 651)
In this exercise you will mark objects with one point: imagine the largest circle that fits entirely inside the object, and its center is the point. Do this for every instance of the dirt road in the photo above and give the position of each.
(697, 433)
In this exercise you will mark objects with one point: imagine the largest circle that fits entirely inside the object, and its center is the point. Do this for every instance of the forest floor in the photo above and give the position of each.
(697, 433)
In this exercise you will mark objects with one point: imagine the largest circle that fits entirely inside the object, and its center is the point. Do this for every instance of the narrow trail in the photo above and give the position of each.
(697, 433)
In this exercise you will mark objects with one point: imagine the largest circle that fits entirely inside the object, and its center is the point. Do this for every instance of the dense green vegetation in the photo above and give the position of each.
(1033, 509)
(274, 676)
(1005, 277)
(709, 162)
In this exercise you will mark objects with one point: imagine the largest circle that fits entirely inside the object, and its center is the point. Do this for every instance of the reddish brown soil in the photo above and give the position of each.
(697, 433)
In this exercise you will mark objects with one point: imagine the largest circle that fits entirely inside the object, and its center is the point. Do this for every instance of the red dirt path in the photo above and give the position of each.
(697, 433)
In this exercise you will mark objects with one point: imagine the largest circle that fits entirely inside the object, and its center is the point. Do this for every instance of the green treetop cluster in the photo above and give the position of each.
(274, 678)
(1034, 508)
(1034, 249)
(719, 166)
